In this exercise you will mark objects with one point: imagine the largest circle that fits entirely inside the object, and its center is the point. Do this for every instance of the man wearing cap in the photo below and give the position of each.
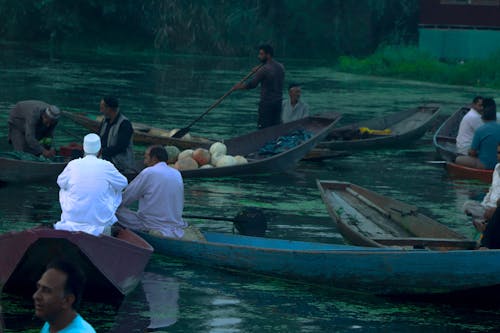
(116, 134)
(91, 191)
(293, 108)
(31, 127)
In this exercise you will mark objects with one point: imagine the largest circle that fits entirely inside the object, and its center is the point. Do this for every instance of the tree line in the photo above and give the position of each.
(297, 28)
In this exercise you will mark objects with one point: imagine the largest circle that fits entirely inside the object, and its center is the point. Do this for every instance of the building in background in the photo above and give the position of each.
(460, 29)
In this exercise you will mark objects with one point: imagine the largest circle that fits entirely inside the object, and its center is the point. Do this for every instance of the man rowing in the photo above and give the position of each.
(116, 134)
(159, 189)
(271, 77)
(91, 191)
(31, 127)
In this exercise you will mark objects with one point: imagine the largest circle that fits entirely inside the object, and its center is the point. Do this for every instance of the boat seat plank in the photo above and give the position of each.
(428, 242)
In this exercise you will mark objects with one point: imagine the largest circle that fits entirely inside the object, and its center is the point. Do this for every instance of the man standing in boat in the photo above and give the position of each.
(294, 108)
(116, 134)
(271, 77)
(31, 127)
(468, 126)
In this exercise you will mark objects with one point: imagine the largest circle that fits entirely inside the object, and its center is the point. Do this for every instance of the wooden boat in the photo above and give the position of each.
(366, 218)
(445, 143)
(15, 170)
(113, 265)
(445, 137)
(405, 127)
(463, 172)
(380, 271)
(143, 134)
(248, 145)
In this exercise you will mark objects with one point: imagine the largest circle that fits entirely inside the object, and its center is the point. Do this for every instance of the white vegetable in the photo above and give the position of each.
(185, 153)
(226, 160)
(240, 159)
(206, 166)
(173, 153)
(218, 148)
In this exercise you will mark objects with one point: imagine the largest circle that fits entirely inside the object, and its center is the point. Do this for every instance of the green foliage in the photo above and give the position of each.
(411, 63)
(303, 28)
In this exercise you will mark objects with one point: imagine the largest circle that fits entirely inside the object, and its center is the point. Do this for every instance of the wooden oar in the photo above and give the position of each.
(186, 129)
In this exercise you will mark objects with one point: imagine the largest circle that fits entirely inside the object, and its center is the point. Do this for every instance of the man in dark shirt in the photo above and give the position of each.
(271, 77)
(116, 134)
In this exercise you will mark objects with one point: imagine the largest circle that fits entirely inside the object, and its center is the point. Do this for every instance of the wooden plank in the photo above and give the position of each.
(428, 242)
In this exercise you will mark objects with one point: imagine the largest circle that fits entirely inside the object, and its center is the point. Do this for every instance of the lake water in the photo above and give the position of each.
(169, 91)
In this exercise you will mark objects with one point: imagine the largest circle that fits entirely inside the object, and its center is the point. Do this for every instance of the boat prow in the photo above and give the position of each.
(113, 265)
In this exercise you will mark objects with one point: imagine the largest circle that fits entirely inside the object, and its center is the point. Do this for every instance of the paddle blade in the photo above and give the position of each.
(181, 133)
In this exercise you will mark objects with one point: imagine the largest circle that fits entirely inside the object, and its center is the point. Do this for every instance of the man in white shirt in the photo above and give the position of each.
(293, 108)
(159, 189)
(91, 191)
(469, 124)
(482, 212)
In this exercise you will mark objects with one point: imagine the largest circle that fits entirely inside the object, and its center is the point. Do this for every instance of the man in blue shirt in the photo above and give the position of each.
(483, 150)
(57, 298)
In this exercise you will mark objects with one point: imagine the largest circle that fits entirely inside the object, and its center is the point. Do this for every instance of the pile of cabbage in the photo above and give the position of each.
(190, 159)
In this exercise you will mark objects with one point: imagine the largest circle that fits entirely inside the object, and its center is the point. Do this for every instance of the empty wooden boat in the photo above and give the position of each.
(366, 218)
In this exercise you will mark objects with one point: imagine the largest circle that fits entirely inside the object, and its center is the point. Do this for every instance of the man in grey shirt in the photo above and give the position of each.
(270, 77)
(31, 127)
(294, 108)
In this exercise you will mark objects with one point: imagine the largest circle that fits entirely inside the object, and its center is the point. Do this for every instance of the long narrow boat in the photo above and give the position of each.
(404, 126)
(113, 265)
(463, 172)
(366, 218)
(249, 145)
(15, 170)
(445, 138)
(380, 271)
(445, 143)
(143, 134)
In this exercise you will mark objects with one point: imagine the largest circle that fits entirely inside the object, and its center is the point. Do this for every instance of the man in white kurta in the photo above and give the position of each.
(468, 126)
(91, 191)
(293, 108)
(159, 189)
(482, 211)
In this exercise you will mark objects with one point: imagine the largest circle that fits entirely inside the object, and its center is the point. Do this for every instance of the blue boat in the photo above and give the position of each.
(379, 271)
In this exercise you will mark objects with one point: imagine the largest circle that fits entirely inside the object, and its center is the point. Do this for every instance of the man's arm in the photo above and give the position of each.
(134, 190)
(63, 178)
(474, 147)
(124, 133)
(254, 82)
(117, 181)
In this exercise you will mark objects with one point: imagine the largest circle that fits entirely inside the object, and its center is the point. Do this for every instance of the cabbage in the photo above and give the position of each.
(225, 161)
(185, 153)
(173, 153)
(218, 148)
(207, 166)
(240, 159)
(214, 158)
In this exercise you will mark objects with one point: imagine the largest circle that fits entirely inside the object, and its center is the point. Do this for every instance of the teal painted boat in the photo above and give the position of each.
(379, 271)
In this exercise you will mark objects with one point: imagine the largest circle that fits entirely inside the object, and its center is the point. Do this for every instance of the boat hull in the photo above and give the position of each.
(12, 170)
(113, 266)
(463, 172)
(379, 271)
(406, 126)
